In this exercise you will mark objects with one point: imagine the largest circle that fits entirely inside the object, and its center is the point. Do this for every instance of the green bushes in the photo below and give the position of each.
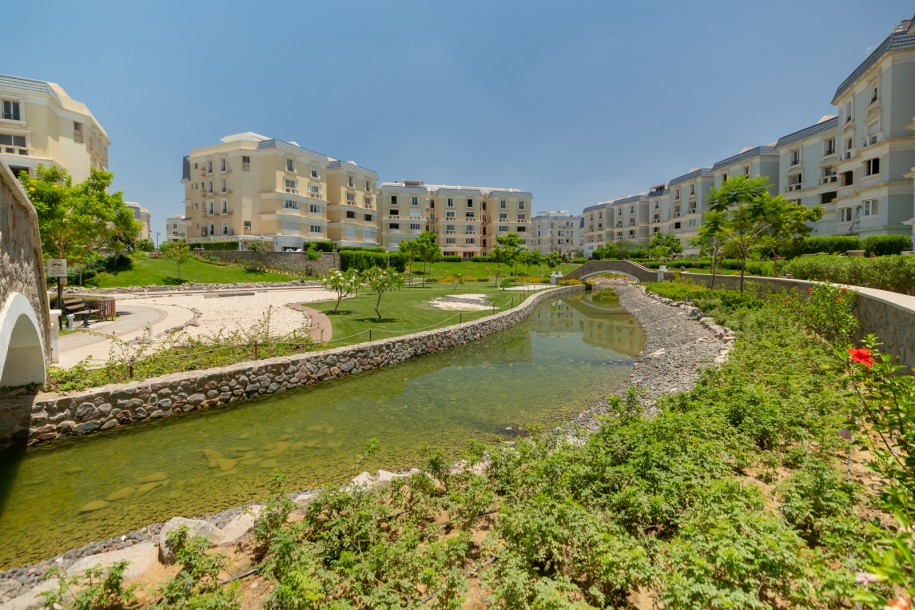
(886, 245)
(362, 259)
(482, 259)
(321, 246)
(828, 244)
(895, 273)
(452, 259)
(215, 245)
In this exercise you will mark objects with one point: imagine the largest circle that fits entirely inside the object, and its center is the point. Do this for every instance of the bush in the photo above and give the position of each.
(118, 262)
(452, 259)
(321, 246)
(886, 245)
(215, 245)
(579, 261)
(829, 244)
(569, 282)
(894, 273)
(482, 259)
(361, 249)
(362, 259)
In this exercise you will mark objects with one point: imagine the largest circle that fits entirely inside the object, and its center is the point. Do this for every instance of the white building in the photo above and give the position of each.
(558, 231)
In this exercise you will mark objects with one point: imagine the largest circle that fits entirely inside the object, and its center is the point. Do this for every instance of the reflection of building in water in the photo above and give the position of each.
(600, 320)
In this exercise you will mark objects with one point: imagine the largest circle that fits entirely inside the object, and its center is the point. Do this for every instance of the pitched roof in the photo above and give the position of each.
(704, 171)
(28, 85)
(744, 155)
(900, 38)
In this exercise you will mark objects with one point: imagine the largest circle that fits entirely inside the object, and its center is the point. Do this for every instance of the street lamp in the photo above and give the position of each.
(157, 240)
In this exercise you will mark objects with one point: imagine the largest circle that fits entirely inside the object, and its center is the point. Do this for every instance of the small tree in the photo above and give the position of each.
(663, 245)
(534, 257)
(712, 237)
(342, 283)
(747, 203)
(258, 250)
(788, 221)
(512, 246)
(412, 250)
(382, 280)
(427, 248)
(553, 260)
(177, 251)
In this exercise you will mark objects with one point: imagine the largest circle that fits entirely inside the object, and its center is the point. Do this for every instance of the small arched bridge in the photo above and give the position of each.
(628, 268)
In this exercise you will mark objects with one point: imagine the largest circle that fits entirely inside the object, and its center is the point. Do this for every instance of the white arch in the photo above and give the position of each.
(21, 344)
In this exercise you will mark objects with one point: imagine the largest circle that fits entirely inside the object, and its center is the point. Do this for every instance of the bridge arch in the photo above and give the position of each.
(22, 360)
(634, 270)
(629, 275)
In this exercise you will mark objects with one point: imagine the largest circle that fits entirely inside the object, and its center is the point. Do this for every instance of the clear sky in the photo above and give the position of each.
(576, 101)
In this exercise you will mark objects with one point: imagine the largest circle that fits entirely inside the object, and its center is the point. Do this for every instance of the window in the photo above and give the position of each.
(314, 190)
(247, 225)
(350, 198)
(393, 213)
(829, 147)
(796, 157)
(290, 165)
(520, 205)
(210, 187)
(314, 173)
(503, 216)
(77, 132)
(395, 226)
(874, 91)
(691, 223)
(845, 215)
(521, 229)
(450, 240)
(872, 166)
(289, 204)
(521, 218)
(222, 186)
(11, 111)
(450, 202)
(314, 208)
(223, 165)
(449, 229)
(209, 207)
(225, 229)
(470, 203)
(13, 144)
(746, 170)
(469, 231)
(291, 185)
(503, 204)
(469, 215)
(414, 201)
(449, 215)
(211, 229)
(677, 225)
(224, 205)
(367, 217)
(351, 214)
(349, 181)
(367, 201)
(470, 241)
(393, 199)
(245, 163)
(368, 186)
(414, 227)
(870, 207)
(848, 111)
(314, 228)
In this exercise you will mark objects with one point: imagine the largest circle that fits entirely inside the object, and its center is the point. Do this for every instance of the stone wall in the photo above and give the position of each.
(883, 313)
(57, 415)
(289, 262)
(21, 266)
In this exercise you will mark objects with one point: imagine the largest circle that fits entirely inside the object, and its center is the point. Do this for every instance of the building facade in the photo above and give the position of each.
(175, 228)
(558, 231)
(41, 125)
(403, 209)
(141, 215)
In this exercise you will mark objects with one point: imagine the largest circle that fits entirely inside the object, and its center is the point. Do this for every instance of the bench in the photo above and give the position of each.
(77, 306)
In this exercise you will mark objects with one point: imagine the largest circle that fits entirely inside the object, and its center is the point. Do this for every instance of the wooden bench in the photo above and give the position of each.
(77, 306)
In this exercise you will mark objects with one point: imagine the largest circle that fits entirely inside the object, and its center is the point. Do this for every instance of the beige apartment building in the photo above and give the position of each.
(141, 215)
(251, 187)
(403, 212)
(41, 125)
(558, 231)
(175, 228)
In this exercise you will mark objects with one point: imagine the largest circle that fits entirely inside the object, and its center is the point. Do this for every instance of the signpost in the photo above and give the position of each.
(57, 267)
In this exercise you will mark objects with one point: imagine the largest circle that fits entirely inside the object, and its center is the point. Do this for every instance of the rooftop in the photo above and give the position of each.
(902, 37)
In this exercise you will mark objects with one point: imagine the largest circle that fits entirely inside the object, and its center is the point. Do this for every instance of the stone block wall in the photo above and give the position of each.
(21, 265)
(46, 417)
(290, 262)
(882, 313)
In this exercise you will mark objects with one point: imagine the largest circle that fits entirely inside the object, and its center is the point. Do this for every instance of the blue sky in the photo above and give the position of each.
(577, 102)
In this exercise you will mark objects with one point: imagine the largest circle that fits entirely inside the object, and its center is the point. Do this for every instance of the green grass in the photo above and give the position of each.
(406, 310)
(470, 269)
(159, 271)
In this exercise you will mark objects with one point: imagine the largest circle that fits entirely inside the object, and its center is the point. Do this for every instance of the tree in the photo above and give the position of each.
(512, 246)
(177, 251)
(747, 203)
(412, 250)
(144, 245)
(788, 220)
(664, 245)
(534, 257)
(258, 260)
(77, 219)
(382, 280)
(712, 236)
(427, 248)
(553, 260)
(341, 283)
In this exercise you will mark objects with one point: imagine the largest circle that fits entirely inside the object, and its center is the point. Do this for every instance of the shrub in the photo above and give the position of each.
(894, 273)
(885, 245)
(215, 245)
(363, 259)
(321, 246)
(360, 249)
(482, 259)
(118, 262)
(579, 261)
(829, 244)
(452, 259)
(569, 282)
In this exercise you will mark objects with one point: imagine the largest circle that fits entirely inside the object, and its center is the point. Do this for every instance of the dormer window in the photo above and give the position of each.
(11, 111)
(349, 181)
(290, 165)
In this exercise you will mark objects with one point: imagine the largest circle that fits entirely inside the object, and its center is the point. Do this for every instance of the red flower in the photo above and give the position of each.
(810, 290)
(843, 290)
(861, 355)
(838, 300)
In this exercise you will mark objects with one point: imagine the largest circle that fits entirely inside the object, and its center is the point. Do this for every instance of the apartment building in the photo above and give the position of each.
(403, 212)
(41, 125)
(251, 187)
(595, 219)
(628, 219)
(807, 170)
(456, 215)
(687, 204)
(175, 228)
(558, 231)
(352, 219)
(876, 144)
(510, 211)
(141, 215)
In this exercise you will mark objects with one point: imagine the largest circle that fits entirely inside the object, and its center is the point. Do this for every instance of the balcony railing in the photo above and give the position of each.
(870, 140)
(829, 178)
(793, 187)
(849, 153)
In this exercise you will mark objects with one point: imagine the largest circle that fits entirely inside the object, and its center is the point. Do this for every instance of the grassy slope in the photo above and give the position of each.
(471, 269)
(154, 271)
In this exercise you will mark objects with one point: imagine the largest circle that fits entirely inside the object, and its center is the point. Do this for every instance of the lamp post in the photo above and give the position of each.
(157, 240)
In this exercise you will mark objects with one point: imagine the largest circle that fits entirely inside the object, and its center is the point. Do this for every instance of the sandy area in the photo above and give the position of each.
(462, 302)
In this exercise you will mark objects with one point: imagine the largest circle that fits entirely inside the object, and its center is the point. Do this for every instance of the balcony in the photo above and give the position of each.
(829, 179)
(870, 140)
(849, 154)
(793, 187)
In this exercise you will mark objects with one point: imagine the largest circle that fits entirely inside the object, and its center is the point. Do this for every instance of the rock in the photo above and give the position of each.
(120, 494)
(87, 427)
(94, 506)
(195, 527)
(305, 497)
(363, 479)
(196, 399)
(140, 557)
(108, 425)
(237, 528)
(85, 411)
(31, 599)
(153, 478)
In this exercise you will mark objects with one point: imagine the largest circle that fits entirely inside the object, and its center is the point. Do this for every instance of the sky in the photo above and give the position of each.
(577, 102)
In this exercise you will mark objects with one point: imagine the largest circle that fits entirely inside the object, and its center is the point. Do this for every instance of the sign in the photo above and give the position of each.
(57, 267)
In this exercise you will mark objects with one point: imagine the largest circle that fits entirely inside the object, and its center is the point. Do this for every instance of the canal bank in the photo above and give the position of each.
(674, 344)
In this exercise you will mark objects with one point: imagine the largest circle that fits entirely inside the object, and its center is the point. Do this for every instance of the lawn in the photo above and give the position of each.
(407, 310)
(159, 271)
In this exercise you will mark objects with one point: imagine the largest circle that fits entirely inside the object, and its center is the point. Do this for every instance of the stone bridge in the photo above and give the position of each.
(24, 317)
(628, 268)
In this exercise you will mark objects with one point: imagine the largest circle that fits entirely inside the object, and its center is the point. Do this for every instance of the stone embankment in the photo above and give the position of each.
(680, 341)
(190, 287)
(47, 417)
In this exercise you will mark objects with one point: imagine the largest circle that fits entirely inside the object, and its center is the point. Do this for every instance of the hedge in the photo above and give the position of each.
(895, 273)
(361, 259)
(829, 244)
(886, 245)
(321, 246)
(452, 259)
(215, 245)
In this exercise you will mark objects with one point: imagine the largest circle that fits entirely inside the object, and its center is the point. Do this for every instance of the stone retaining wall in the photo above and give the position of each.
(191, 287)
(892, 322)
(46, 417)
(289, 262)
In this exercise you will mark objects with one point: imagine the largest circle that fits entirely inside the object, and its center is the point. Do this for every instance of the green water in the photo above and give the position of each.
(558, 363)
